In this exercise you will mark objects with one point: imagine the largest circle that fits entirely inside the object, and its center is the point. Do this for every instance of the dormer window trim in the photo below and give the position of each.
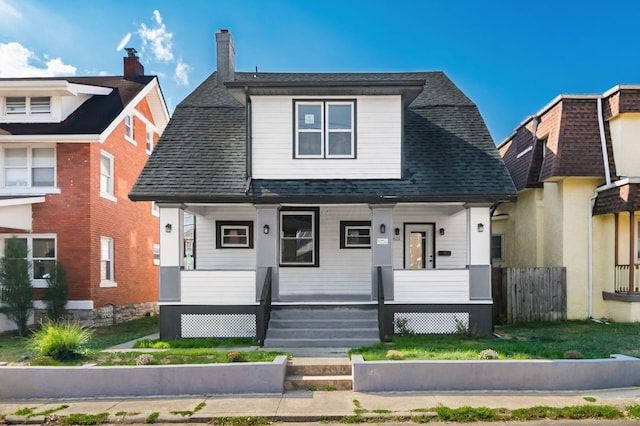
(26, 105)
(322, 130)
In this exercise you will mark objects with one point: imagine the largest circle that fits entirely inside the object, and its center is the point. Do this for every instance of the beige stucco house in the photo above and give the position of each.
(576, 166)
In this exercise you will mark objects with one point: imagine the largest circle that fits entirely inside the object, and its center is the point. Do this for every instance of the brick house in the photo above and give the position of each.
(70, 151)
(575, 166)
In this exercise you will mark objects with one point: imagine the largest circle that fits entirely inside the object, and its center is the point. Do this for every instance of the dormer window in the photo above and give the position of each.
(325, 129)
(15, 105)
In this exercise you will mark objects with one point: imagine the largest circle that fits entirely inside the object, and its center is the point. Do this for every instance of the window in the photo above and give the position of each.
(41, 256)
(325, 129)
(234, 234)
(299, 238)
(106, 175)
(128, 128)
(106, 262)
(27, 105)
(156, 254)
(497, 248)
(29, 167)
(638, 242)
(149, 141)
(355, 234)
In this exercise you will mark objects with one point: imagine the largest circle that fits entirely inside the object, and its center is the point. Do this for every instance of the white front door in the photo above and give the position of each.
(418, 246)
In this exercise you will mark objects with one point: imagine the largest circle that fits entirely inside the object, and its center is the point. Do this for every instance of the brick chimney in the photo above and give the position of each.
(132, 66)
(226, 57)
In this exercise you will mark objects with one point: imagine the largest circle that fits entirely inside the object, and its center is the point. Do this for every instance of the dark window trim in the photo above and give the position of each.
(404, 244)
(324, 101)
(221, 223)
(344, 224)
(501, 258)
(316, 237)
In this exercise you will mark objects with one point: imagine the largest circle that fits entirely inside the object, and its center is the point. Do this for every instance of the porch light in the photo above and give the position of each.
(383, 229)
(167, 227)
(480, 227)
(441, 231)
(397, 232)
(265, 229)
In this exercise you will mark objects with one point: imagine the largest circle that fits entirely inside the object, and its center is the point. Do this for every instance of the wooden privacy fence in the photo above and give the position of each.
(529, 294)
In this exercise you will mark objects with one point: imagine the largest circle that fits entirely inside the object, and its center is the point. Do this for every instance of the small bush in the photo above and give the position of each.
(393, 354)
(145, 359)
(235, 356)
(573, 355)
(488, 354)
(61, 340)
(401, 325)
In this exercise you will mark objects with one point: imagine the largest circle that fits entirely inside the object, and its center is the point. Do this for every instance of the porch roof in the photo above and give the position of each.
(624, 198)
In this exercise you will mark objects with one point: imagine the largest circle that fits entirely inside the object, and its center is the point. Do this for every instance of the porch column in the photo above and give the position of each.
(479, 231)
(267, 248)
(171, 251)
(382, 248)
(632, 253)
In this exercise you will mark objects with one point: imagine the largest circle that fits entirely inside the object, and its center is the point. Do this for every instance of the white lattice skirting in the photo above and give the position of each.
(430, 322)
(218, 325)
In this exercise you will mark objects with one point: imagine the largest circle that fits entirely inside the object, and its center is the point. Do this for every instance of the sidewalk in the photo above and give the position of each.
(307, 406)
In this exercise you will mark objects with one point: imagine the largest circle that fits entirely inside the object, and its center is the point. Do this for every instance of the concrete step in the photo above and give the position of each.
(319, 343)
(326, 383)
(321, 333)
(319, 370)
(323, 323)
(329, 313)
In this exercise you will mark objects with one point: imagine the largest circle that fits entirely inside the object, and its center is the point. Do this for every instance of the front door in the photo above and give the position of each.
(418, 249)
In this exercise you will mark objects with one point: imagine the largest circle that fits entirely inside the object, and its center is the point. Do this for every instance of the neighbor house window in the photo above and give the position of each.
(106, 175)
(106, 262)
(29, 167)
(355, 234)
(234, 234)
(299, 238)
(128, 127)
(497, 248)
(149, 141)
(41, 256)
(27, 105)
(325, 129)
(156, 254)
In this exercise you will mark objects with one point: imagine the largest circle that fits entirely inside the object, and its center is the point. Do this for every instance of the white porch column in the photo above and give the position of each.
(171, 251)
(382, 248)
(479, 232)
(267, 247)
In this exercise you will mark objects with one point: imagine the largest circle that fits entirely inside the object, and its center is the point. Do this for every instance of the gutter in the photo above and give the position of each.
(248, 164)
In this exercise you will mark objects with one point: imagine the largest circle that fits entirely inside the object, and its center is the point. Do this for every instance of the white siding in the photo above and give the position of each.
(431, 286)
(454, 238)
(207, 255)
(378, 141)
(341, 271)
(218, 287)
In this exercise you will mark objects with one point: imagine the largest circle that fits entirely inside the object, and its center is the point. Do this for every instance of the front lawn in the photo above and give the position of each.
(521, 341)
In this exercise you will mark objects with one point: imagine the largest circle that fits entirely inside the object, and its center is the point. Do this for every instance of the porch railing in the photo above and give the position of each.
(264, 311)
(622, 279)
(381, 326)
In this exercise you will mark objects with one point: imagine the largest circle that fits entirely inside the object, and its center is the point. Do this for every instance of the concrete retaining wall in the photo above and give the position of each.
(149, 380)
(379, 376)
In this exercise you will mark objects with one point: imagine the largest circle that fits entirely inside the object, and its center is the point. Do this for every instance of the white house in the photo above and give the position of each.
(366, 190)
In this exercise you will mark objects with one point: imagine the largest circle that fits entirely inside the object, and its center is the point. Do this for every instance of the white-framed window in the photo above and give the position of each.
(129, 130)
(107, 278)
(155, 210)
(106, 175)
(41, 254)
(324, 129)
(497, 248)
(299, 242)
(149, 139)
(156, 254)
(27, 167)
(234, 234)
(355, 234)
(25, 105)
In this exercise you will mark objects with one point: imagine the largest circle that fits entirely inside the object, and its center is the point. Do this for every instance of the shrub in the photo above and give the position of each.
(401, 325)
(573, 355)
(61, 340)
(393, 354)
(234, 356)
(16, 290)
(145, 359)
(57, 292)
(488, 354)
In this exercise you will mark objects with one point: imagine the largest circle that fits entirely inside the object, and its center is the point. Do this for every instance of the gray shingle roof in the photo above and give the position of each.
(448, 152)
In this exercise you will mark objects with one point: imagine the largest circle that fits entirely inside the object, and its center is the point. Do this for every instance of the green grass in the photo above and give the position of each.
(178, 356)
(521, 341)
(195, 343)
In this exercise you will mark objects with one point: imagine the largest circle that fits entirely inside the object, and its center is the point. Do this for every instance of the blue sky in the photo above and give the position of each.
(509, 57)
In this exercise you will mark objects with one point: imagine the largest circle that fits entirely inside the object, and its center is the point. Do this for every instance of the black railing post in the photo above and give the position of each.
(381, 322)
(264, 311)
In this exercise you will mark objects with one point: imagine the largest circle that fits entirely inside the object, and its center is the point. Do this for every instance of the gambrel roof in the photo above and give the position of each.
(448, 153)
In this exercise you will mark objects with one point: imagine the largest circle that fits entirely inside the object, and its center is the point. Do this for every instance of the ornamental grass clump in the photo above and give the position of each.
(61, 340)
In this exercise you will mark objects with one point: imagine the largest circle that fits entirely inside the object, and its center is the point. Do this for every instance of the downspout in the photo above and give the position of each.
(607, 176)
(248, 165)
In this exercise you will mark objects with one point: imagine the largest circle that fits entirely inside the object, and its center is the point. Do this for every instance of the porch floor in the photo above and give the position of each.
(324, 299)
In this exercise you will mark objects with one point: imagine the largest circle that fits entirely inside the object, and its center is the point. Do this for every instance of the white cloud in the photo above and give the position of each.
(181, 75)
(123, 42)
(8, 11)
(15, 62)
(158, 39)
(103, 73)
